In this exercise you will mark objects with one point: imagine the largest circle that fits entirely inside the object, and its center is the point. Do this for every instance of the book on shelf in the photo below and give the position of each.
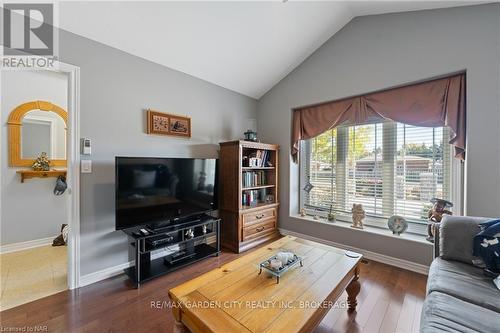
(253, 197)
(253, 178)
(257, 159)
(250, 198)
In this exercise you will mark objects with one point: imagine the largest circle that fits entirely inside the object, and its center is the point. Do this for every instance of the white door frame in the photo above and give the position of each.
(73, 170)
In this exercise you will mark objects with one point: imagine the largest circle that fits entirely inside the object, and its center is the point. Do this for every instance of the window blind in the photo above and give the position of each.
(390, 168)
(321, 168)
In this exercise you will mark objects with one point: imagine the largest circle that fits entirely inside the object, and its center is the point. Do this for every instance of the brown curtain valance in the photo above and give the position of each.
(433, 103)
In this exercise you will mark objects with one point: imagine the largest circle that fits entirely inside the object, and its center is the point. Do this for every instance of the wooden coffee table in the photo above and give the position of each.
(235, 298)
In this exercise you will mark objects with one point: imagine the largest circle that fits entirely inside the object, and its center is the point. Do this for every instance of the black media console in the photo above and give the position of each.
(171, 246)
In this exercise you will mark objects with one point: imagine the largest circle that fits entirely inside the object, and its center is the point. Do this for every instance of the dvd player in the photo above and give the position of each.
(159, 240)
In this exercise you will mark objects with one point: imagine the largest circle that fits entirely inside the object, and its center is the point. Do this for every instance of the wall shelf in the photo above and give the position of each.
(28, 174)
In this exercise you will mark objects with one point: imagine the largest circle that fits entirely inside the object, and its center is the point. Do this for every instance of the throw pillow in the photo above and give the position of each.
(487, 245)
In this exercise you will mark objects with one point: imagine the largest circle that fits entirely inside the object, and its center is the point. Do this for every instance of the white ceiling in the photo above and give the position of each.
(246, 47)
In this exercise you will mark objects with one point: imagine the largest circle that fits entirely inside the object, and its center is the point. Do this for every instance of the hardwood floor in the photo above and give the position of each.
(390, 301)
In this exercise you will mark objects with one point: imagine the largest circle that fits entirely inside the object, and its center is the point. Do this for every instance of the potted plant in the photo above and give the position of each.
(331, 215)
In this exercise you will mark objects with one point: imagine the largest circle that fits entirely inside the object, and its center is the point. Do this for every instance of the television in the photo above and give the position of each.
(162, 191)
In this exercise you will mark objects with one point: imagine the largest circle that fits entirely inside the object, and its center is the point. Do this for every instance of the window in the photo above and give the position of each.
(390, 168)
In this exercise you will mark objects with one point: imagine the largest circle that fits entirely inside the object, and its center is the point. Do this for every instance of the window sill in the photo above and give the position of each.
(367, 229)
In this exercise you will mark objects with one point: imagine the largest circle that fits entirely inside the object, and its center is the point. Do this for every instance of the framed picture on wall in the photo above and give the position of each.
(180, 126)
(168, 124)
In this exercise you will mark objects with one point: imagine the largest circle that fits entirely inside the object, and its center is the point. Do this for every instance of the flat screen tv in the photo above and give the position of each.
(161, 191)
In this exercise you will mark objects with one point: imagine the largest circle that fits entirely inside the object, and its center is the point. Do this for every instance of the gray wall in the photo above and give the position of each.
(30, 211)
(376, 52)
(115, 89)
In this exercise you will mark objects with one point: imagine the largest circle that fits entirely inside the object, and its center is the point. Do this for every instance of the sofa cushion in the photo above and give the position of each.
(463, 281)
(445, 313)
(456, 237)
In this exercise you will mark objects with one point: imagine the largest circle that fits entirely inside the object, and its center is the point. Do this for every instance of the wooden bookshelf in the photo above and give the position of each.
(248, 193)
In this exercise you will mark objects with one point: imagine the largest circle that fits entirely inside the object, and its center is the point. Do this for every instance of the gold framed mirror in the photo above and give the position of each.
(36, 127)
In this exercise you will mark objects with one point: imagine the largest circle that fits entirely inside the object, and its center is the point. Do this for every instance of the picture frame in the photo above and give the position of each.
(161, 123)
(180, 126)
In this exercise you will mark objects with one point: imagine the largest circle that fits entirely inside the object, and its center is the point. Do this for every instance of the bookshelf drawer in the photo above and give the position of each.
(259, 216)
(258, 229)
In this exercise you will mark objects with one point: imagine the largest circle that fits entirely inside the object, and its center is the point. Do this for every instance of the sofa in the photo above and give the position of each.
(460, 298)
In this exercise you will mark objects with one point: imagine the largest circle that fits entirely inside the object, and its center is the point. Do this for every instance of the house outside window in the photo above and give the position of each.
(390, 168)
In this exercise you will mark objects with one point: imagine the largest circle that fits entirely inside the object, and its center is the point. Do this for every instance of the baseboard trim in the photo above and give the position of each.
(14, 247)
(103, 274)
(110, 272)
(401, 263)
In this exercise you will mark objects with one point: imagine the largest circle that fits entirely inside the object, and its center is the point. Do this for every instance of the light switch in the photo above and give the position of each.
(86, 166)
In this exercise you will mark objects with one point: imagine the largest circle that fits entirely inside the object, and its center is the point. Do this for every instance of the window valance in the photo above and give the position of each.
(432, 103)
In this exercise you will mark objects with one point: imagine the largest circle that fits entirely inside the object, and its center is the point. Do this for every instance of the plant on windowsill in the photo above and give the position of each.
(331, 217)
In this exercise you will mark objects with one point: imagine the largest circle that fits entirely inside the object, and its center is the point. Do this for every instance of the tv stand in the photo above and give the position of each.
(171, 247)
(158, 226)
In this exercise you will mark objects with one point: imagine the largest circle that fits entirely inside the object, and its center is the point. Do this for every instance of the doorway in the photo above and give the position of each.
(31, 215)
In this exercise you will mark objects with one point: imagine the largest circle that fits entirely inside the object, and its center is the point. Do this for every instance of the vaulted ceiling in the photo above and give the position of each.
(246, 47)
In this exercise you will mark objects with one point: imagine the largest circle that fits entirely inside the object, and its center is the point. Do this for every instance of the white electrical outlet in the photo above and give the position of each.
(86, 166)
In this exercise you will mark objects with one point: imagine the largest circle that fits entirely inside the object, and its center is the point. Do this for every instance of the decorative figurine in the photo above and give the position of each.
(42, 163)
(435, 215)
(275, 264)
(439, 209)
(358, 214)
(302, 212)
(284, 257)
(331, 215)
(397, 224)
(189, 233)
(62, 239)
(251, 135)
(204, 229)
